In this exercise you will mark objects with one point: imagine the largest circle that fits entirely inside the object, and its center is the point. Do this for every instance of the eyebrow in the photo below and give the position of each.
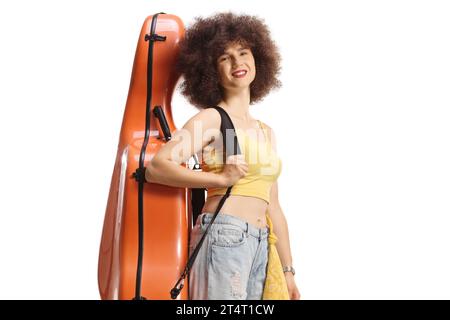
(240, 49)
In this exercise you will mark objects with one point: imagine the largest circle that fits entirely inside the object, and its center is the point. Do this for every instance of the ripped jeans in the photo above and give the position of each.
(232, 262)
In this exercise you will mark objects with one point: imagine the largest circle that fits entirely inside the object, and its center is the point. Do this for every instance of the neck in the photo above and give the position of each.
(237, 104)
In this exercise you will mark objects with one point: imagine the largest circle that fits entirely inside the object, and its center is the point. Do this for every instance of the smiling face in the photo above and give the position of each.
(236, 67)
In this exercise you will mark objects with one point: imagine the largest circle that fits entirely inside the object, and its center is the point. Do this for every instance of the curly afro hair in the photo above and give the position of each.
(208, 38)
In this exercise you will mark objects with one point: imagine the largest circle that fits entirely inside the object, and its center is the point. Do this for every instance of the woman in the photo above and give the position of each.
(229, 61)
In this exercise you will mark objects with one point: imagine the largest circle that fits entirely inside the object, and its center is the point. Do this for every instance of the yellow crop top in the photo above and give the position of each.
(264, 166)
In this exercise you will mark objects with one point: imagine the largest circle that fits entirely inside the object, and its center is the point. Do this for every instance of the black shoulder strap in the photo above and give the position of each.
(228, 132)
(227, 129)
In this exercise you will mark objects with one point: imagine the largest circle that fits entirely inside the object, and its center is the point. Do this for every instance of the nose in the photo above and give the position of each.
(236, 61)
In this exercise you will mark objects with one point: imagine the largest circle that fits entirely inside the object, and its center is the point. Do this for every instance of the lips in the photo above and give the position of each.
(239, 73)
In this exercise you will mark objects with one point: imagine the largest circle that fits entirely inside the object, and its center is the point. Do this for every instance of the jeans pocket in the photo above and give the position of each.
(229, 236)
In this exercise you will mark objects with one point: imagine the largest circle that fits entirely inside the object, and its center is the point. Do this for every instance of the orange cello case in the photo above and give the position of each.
(166, 210)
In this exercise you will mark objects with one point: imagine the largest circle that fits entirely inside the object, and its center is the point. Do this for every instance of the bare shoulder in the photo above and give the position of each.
(206, 122)
(209, 117)
(265, 125)
(270, 133)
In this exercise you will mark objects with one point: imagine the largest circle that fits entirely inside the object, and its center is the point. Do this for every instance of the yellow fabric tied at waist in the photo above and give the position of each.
(275, 286)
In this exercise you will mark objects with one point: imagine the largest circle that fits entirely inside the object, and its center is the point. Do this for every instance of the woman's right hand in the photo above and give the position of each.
(234, 169)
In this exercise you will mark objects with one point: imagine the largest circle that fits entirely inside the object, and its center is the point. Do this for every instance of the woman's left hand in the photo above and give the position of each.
(294, 294)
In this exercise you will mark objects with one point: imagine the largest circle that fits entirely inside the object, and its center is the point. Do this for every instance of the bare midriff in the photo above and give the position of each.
(249, 209)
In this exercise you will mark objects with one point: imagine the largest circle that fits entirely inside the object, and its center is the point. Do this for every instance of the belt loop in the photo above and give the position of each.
(246, 229)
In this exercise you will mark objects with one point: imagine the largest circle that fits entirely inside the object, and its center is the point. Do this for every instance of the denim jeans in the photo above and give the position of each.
(232, 262)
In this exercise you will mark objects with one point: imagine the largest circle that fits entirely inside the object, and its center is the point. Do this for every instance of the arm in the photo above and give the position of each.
(165, 167)
(280, 228)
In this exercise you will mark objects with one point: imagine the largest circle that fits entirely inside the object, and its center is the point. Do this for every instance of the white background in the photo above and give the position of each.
(362, 124)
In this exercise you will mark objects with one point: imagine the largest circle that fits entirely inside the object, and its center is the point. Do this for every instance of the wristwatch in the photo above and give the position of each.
(289, 269)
